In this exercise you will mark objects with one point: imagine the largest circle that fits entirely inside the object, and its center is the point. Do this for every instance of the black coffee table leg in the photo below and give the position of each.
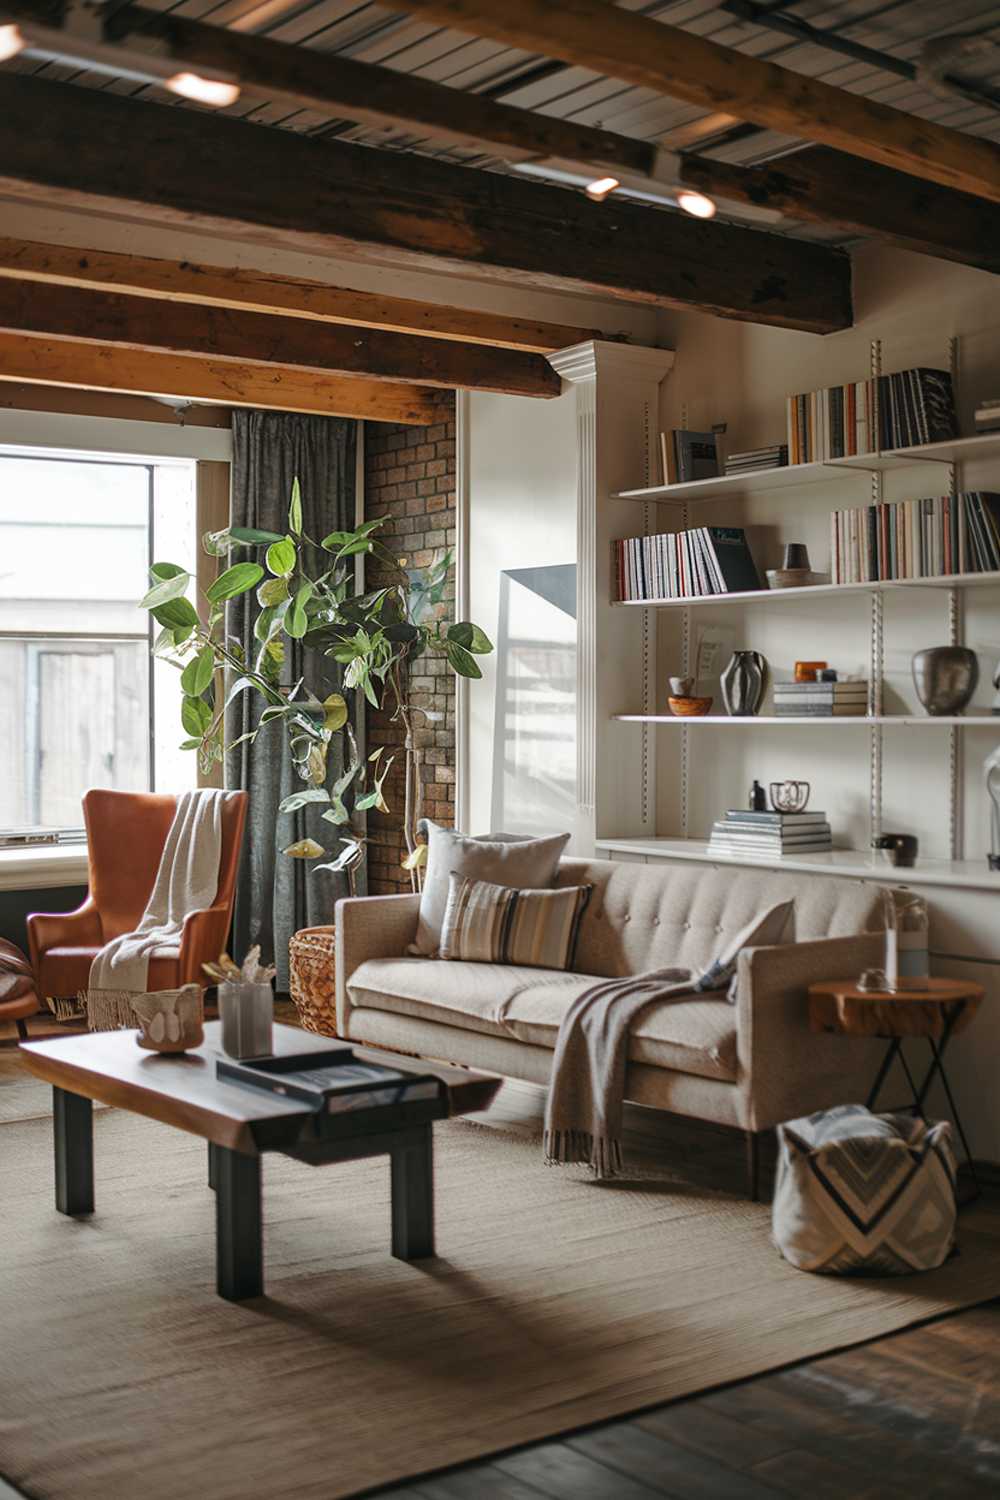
(212, 1148)
(239, 1255)
(412, 1165)
(73, 1119)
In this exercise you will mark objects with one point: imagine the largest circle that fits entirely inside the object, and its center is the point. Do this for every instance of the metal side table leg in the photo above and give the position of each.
(239, 1251)
(73, 1120)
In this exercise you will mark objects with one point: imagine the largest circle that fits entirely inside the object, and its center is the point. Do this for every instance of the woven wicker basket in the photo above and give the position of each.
(312, 979)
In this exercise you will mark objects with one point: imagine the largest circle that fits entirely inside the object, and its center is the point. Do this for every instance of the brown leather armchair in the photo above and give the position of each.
(126, 832)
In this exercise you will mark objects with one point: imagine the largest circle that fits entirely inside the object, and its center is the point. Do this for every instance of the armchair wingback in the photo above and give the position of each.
(126, 832)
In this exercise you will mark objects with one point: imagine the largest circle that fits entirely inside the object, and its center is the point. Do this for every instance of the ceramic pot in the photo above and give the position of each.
(945, 678)
(743, 684)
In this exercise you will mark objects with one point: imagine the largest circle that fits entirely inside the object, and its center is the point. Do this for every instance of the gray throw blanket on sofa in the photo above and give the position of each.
(583, 1111)
(585, 1104)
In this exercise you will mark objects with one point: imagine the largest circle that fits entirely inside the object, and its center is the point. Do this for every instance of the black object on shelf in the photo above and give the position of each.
(337, 1083)
(758, 798)
(902, 848)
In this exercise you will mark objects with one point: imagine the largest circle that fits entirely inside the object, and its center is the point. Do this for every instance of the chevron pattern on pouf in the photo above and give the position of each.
(864, 1194)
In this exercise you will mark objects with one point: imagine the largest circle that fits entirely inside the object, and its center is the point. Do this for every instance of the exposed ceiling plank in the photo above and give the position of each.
(645, 52)
(259, 291)
(829, 187)
(148, 323)
(104, 153)
(305, 78)
(95, 367)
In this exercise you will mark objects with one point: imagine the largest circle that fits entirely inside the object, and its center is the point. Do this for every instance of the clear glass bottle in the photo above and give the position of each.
(907, 956)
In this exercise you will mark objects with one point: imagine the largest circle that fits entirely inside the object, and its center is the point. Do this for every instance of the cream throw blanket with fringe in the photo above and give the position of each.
(186, 881)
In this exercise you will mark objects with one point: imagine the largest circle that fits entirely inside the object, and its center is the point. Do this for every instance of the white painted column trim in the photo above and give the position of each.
(463, 608)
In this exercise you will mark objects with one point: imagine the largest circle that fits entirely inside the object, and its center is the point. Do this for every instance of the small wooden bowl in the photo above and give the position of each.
(689, 708)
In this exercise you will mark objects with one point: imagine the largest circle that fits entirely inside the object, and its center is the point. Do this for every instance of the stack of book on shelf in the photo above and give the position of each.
(820, 699)
(758, 460)
(688, 455)
(916, 538)
(988, 416)
(888, 411)
(749, 833)
(684, 564)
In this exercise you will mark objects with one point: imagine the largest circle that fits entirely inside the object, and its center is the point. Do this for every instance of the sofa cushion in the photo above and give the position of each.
(487, 923)
(696, 1035)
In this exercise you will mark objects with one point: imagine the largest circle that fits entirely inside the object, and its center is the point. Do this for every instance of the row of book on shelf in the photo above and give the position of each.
(820, 699)
(686, 456)
(916, 538)
(743, 832)
(684, 564)
(904, 410)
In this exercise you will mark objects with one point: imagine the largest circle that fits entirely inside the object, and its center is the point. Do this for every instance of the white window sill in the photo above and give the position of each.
(43, 867)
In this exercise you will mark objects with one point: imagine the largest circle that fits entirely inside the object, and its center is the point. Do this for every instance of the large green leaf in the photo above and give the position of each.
(235, 580)
(176, 614)
(196, 715)
(296, 620)
(198, 673)
(280, 557)
(252, 536)
(158, 571)
(471, 637)
(271, 592)
(173, 586)
(295, 509)
(462, 661)
(334, 712)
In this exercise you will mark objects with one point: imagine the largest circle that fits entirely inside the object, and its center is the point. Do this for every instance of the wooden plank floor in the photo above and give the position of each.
(915, 1416)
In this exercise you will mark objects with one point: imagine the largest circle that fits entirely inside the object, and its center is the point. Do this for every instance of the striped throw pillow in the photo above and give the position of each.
(493, 924)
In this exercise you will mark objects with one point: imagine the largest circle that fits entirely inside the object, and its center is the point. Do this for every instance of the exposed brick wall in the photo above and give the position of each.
(410, 479)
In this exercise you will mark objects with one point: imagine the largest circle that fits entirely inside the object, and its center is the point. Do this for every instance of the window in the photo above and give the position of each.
(84, 703)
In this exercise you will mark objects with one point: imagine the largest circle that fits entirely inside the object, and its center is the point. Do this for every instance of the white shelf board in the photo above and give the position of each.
(957, 450)
(824, 721)
(756, 596)
(969, 873)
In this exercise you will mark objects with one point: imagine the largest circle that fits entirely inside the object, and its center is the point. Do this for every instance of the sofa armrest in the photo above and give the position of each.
(79, 929)
(786, 1070)
(370, 927)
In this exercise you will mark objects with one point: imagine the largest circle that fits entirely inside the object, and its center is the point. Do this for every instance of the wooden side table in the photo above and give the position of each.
(938, 1012)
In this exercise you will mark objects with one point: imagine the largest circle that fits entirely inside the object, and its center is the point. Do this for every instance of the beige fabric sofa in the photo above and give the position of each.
(749, 1065)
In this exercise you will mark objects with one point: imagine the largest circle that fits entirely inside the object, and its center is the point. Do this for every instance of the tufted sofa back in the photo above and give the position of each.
(649, 916)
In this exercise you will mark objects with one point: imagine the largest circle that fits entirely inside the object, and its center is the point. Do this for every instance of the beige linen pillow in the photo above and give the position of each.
(527, 864)
(492, 924)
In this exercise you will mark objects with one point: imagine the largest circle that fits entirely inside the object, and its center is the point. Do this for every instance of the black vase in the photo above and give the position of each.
(743, 683)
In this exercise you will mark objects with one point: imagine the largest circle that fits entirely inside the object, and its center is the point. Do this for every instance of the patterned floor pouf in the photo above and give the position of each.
(864, 1194)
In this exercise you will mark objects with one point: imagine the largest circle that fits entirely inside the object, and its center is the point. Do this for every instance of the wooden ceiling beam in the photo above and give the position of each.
(645, 52)
(96, 367)
(263, 292)
(108, 154)
(828, 187)
(149, 324)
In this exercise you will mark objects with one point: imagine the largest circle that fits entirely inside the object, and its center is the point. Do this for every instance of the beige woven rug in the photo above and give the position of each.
(554, 1303)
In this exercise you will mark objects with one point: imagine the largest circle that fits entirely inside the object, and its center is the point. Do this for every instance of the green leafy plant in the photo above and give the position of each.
(305, 589)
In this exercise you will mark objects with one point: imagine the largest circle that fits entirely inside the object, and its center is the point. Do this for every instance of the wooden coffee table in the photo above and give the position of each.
(240, 1125)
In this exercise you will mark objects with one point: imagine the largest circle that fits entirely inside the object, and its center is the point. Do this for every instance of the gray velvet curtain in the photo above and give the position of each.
(276, 895)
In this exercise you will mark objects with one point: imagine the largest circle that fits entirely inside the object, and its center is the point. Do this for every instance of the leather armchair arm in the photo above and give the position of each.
(786, 1070)
(204, 935)
(77, 929)
(370, 927)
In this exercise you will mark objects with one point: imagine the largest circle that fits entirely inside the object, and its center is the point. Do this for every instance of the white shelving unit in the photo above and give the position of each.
(792, 476)
(971, 874)
(945, 459)
(818, 590)
(817, 721)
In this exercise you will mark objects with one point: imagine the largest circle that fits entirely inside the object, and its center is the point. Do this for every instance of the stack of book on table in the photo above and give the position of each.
(743, 832)
(758, 460)
(820, 699)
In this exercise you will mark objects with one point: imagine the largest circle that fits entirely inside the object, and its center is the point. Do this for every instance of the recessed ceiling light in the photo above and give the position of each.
(601, 187)
(11, 42)
(213, 91)
(696, 204)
